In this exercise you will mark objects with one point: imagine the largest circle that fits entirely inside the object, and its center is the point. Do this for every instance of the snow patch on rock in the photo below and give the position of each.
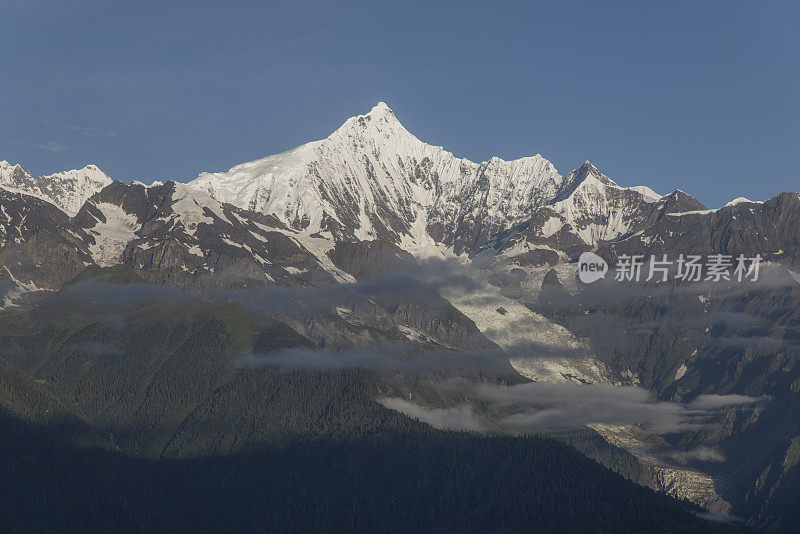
(112, 235)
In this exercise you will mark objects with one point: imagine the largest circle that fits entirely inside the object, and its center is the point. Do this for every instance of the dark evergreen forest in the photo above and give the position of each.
(137, 419)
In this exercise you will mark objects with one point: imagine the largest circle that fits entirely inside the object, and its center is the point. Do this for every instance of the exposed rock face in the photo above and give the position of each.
(590, 211)
(553, 291)
(768, 228)
(39, 249)
(369, 259)
(683, 340)
(407, 301)
(170, 234)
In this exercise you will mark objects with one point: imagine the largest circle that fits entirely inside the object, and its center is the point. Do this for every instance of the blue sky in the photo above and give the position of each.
(701, 96)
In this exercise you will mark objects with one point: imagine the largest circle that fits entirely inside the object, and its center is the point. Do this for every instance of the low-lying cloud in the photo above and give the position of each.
(560, 406)
(702, 454)
(461, 417)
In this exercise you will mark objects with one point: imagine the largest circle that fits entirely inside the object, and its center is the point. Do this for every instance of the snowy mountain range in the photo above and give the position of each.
(370, 180)
(279, 220)
(372, 198)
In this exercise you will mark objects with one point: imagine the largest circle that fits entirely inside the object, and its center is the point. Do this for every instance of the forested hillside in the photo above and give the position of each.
(136, 417)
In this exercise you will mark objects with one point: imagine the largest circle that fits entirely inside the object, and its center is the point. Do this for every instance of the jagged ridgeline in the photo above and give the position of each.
(133, 318)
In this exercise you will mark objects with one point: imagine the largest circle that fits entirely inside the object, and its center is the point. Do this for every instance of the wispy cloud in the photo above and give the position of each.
(566, 405)
(703, 454)
(79, 128)
(530, 407)
(560, 406)
(52, 146)
(90, 130)
(461, 417)
(547, 407)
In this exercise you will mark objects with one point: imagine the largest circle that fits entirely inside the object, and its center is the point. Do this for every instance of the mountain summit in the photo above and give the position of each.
(68, 190)
(372, 178)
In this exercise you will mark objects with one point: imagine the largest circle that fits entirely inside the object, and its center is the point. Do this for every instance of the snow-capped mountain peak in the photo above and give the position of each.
(589, 176)
(372, 178)
(6, 167)
(70, 189)
(12, 176)
(381, 107)
(380, 115)
(742, 200)
(67, 190)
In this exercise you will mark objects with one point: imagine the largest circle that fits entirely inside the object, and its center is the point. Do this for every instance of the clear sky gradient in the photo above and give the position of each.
(701, 96)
